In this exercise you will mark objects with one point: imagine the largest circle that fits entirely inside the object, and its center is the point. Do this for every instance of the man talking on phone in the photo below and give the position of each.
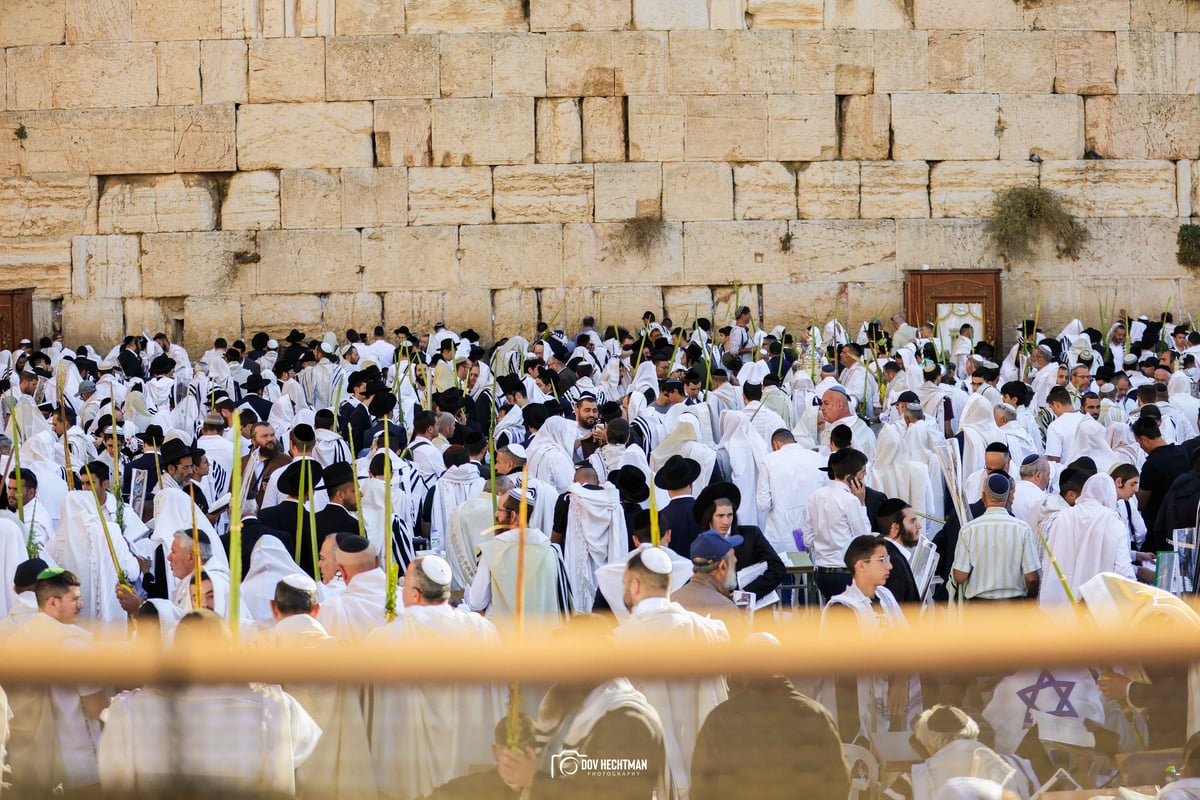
(837, 514)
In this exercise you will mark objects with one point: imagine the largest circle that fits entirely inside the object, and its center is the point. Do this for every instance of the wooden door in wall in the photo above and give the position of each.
(951, 298)
(16, 317)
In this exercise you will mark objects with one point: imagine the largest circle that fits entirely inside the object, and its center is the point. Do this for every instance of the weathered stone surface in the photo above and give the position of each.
(848, 250)
(158, 203)
(828, 190)
(901, 61)
(791, 14)
(716, 252)
(603, 129)
(483, 131)
(684, 302)
(628, 191)
(1018, 61)
(278, 314)
(656, 128)
(1145, 62)
(290, 70)
(374, 197)
(618, 252)
(727, 15)
(310, 198)
(869, 14)
(866, 126)
(579, 15)
(313, 260)
(106, 266)
(179, 73)
(223, 71)
(725, 128)
(1163, 15)
(542, 193)
(466, 65)
(32, 22)
(814, 302)
(92, 319)
(801, 127)
(403, 133)
(208, 318)
(83, 76)
(945, 127)
(410, 258)
(1187, 62)
(1114, 188)
(697, 191)
(1143, 126)
(679, 15)
(559, 130)
(966, 188)
(764, 191)
(44, 264)
(894, 190)
(366, 17)
(47, 205)
(304, 135)
(605, 64)
(449, 195)
(165, 20)
(1096, 15)
(1086, 62)
(512, 255)
(204, 139)
(955, 61)
(731, 62)
(1183, 187)
(206, 263)
(942, 243)
(372, 67)
(515, 312)
(518, 65)
(957, 15)
(251, 201)
(452, 16)
(154, 315)
(361, 311)
(1050, 125)
(728, 298)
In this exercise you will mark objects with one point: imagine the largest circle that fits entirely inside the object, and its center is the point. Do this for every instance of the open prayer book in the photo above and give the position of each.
(925, 559)
(1063, 730)
(750, 574)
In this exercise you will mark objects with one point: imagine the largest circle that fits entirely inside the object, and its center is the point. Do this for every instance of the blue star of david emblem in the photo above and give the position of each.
(1047, 681)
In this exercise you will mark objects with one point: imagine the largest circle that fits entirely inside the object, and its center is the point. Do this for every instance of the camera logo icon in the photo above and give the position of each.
(566, 763)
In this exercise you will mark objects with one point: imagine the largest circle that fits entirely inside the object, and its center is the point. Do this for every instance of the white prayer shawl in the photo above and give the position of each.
(1008, 713)
(1020, 445)
(513, 424)
(372, 511)
(153, 739)
(606, 459)
(40, 522)
(38, 454)
(725, 397)
(786, 480)
(1179, 392)
(862, 386)
(1090, 441)
(743, 450)
(645, 377)
(1111, 411)
(270, 562)
(458, 485)
(596, 535)
(1120, 438)
(764, 420)
(550, 453)
(892, 472)
(1087, 539)
(1043, 381)
(358, 610)
(682, 705)
(775, 400)
(861, 433)
(282, 417)
(80, 546)
(978, 427)
(12, 554)
(685, 441)
(464, 534)
(160, 392)
(965, 758)
(872, 690)
(424, 735)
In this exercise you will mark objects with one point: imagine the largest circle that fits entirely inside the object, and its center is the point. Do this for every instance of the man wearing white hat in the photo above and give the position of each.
(426, 735)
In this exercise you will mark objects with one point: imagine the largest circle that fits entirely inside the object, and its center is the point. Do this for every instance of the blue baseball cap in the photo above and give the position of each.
(710, 547)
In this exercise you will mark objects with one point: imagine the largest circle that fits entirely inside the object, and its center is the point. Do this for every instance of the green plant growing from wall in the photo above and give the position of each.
(1189, 245)
(1023, 215)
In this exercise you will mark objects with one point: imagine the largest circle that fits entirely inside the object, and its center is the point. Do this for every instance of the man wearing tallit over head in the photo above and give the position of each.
(1086, 539)
(81, 545)
(425, 735)
(270, 563)
(594, 535)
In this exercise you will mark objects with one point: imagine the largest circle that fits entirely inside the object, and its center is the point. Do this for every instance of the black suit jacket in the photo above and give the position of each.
(283, 519)
(901, 582)
(677, 518)
(261, 406)
(755, 549)
(334, 519)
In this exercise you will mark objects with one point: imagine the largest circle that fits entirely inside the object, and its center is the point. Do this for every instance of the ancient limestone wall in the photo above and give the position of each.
(219, 165)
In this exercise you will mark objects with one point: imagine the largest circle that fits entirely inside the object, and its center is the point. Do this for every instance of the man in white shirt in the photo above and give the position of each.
(790, 474)
(835, 410)
(219, 451)
(837, 514)
(1061, 432)
(424, 454)
(358, 609)
(381, 349)
(1031, 488)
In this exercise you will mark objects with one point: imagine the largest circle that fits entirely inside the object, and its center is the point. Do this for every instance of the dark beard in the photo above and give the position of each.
(268, 452)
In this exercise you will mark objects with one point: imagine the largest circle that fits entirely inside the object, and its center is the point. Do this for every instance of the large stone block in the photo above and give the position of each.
(943, 243)
(750, 252)
(619, 253)
(656, 128)
(154, 315)
(801, 127)
(158, 203)
(828, 190)
(179, 74)
(1187, 62)
(304, 135)
(1163, 15)
(1145, 62)
(466, 65)
(966, 15)
(372, 67)
(1095, 15)
(697, 190)
(205, 263)
(728, 298)
(207, 317)
(83, 76)
(790, 14)
(543, 193)
(1050, 125)
(165, 20)
(514, 312)
(1085, 62)
(290, 70)
(310, 198)
(251, 201)
(579, 15)
(361, 311)
(603, 129)
(945, 127)
(106, 266)
(32, 22)
(628, 191)
(449, 195)
(1018, 61)
(955, 61)
(684, 302)
(512, 255)
(814, 302)
(92, 319)
(866, 126)
(725, 128)
(452, 16)
(223, 71)
(901, 61)
(966, 188)
(205, 139)
(766, 190)
(47, 205)
(678, 15)
(605, 64)
(314, 260)
(518, 65)
(731, 62)
(374, 198)
(403, 133)
(366, 17)
(1114, 188)
(894, 190)
(850, 250)
(559, 130)
(277, 314)
(1143, 126)
(483, 131)
(44, 264)
(868, 14)
(410, 258)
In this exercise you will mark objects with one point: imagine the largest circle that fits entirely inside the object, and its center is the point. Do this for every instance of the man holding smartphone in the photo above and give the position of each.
(837, 514)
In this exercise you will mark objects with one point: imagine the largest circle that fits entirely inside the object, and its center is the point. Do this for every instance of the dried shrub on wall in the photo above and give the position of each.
(640, 233)
(1189, 245)
(1022, 215)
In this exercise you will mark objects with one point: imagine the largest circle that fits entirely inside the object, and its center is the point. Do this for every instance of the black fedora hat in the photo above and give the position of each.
(631, 483)
(173, 450)
(711, 494)
(677, 473)
(289, 480)
(337, 474)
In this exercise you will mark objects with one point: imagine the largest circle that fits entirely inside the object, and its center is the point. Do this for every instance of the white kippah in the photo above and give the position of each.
(517, 450)
(327, 348)
(300, 581)
(272, 344)
(436, 569)
(1007, 407)
(656, 559)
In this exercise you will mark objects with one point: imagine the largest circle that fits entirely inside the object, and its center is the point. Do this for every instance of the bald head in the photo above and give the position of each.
(834, 405)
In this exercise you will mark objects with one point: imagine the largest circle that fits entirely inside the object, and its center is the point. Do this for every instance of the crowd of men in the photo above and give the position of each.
(663, 482)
